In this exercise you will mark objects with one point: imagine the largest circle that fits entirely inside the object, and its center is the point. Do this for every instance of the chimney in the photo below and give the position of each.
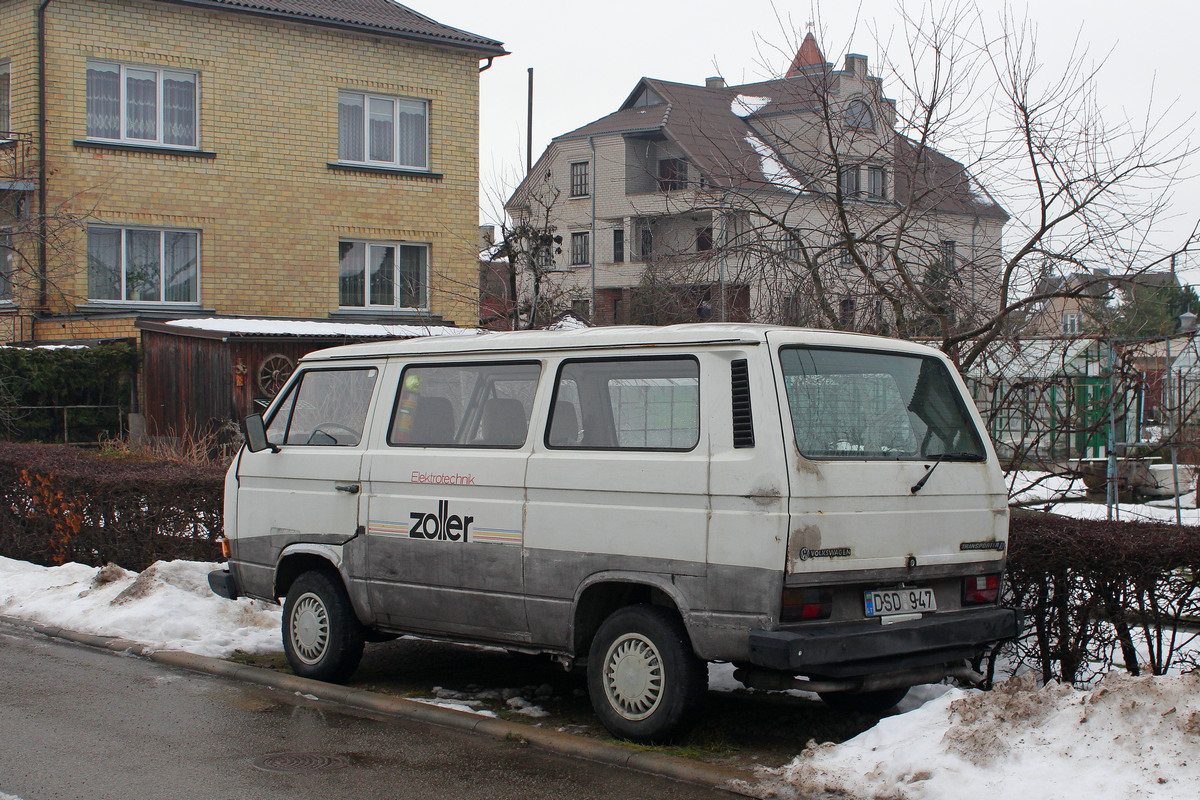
(856, 65)
(715, 82)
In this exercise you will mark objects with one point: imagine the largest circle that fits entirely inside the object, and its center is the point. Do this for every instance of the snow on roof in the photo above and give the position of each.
(773, 169)
(291, 327)
(744, 105)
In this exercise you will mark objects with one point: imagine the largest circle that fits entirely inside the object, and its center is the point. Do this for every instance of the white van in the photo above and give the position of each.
(821, 509)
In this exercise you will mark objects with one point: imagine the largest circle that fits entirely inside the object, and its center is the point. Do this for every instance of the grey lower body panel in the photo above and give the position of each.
(866, 648)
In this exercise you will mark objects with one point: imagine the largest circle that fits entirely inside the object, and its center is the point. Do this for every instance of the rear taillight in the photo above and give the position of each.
(806, 604)
(980, 589)
(224, 547)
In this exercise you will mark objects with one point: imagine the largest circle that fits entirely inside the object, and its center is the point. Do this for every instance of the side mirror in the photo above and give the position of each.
(256, 434)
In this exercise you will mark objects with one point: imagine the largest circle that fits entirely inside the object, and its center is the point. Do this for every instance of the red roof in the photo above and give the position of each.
(809, 55)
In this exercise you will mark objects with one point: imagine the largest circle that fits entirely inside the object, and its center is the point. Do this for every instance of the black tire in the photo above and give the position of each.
(644, 680)
(322, 637)
(875, 702)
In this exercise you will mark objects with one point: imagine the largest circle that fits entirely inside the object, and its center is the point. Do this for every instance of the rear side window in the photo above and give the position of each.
(868, 406)
(626, 404)
(465, 405)
(324, 407)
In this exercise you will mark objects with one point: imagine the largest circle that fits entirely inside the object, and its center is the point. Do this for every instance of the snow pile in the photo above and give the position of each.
(1126, 737)
(745, 105)
(773, 169)
(168, 606)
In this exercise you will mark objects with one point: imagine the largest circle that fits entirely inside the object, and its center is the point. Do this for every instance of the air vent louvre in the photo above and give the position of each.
(743, 420)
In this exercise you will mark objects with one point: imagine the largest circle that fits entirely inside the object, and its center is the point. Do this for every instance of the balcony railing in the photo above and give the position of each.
(17, 165)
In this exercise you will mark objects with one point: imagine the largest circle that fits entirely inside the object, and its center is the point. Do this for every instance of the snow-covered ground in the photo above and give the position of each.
(1125, 737)
(1056, 494)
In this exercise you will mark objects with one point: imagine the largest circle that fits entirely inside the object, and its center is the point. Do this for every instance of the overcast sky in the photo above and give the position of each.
(587, 57)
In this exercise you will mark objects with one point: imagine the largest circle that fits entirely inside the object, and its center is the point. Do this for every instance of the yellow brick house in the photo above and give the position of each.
(283, 158)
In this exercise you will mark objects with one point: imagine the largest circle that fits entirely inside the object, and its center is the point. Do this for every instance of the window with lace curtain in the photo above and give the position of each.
(142, 105)
(377, 130)
(143, 265)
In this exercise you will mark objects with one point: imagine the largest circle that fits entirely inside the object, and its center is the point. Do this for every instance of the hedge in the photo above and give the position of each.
(1094, 594)
(62, 504)
(1099, 593)
(44, 380)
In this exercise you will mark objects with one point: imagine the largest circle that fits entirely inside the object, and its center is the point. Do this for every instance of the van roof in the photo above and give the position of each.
(613, 337)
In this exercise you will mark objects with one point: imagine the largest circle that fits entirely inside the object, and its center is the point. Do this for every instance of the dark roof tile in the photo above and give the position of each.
(378, 16)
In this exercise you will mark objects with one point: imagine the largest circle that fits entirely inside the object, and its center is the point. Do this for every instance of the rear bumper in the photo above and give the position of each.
(866, 648)
(222, 582)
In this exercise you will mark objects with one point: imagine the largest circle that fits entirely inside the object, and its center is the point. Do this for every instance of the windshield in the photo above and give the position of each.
(870, 406)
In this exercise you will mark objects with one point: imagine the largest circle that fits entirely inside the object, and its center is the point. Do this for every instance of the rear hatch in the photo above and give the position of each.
(891, 478)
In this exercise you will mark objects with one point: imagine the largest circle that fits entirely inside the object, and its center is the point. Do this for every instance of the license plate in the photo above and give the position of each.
(882, 602)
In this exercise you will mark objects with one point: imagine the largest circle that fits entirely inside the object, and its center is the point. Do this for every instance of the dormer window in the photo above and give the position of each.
(858, 116)
(647, 97)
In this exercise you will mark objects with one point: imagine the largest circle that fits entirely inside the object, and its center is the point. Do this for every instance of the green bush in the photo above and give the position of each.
(61, 504)
(86, 376)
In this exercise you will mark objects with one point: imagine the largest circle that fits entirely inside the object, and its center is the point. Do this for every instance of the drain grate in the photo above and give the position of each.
(299, 762)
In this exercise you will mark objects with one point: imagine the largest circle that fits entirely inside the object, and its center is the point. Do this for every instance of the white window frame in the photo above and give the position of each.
(397, 287)
(160, 128)
(123, 286)
(398, 102)
(1072, 323)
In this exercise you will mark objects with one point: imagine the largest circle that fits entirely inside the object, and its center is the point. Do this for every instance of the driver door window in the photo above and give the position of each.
(324, 408)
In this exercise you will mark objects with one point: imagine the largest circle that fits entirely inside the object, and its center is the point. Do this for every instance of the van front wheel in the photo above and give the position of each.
(322, 637)
(643, 678)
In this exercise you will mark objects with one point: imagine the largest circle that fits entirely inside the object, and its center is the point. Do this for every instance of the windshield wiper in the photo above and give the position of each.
(916, 487)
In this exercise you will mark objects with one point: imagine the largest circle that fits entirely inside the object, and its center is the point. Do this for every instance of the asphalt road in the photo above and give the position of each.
(81, 723)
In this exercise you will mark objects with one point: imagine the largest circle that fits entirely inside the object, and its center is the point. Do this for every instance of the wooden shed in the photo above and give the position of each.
(201, 375)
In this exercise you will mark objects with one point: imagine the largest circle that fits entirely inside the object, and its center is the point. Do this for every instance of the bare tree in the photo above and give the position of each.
(37, 253)
(529, 279)
(852, 213)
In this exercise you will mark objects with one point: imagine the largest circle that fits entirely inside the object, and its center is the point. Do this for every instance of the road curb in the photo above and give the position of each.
(625, 757)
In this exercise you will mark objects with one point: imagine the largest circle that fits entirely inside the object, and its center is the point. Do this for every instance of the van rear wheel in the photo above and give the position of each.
(322, 638)
(644, 680)
(875, 702)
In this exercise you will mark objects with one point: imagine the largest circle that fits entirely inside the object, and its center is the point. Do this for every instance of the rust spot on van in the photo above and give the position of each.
(765, 497)
(806, 537)
(806, 466)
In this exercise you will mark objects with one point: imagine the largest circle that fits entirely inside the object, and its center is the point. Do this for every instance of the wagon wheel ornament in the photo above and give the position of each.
(273, 373)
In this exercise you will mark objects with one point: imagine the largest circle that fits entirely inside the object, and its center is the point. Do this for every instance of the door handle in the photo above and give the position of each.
(348, 488)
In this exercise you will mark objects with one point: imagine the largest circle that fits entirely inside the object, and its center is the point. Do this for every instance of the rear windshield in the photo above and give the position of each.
(869, 406)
